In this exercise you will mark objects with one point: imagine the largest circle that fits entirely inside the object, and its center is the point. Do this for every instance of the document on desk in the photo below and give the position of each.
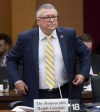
(96, 104)
(87, 88)
(23, 109)
(1, 87)
(93, 107)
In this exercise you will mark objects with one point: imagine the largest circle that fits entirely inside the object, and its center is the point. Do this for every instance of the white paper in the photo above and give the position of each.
(23, 109)
(1, 87)
(87, 88)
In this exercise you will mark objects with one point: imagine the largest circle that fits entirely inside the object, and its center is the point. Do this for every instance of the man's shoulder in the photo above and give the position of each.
(28, 32)
(66, 29)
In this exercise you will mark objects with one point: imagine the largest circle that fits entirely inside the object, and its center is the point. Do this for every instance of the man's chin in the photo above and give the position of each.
(52, 28)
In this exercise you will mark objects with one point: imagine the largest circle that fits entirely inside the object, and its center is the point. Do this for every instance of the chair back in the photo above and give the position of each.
(95, 83)
(4, 74)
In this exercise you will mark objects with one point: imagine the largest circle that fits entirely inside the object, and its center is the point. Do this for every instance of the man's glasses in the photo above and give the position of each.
(55, 18)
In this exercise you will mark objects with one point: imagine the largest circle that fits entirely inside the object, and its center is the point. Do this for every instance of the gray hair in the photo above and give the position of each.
(45, 6)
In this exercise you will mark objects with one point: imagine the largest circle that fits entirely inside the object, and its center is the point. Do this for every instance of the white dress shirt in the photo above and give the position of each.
(91, 71)
(3, 61)
(60, 72)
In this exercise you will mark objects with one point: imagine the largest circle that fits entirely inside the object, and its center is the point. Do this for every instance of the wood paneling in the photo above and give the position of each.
(5, 16)
(23, 16)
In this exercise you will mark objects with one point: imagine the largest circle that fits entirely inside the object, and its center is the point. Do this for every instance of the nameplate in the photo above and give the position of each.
(51, 105)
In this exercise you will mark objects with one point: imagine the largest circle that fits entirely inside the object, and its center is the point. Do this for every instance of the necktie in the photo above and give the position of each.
(49, 64)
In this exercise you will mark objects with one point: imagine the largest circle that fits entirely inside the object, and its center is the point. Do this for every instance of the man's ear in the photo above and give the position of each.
(7, 47)
(38, 22)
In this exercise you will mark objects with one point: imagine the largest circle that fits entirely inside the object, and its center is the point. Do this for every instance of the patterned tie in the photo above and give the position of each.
(49, 64)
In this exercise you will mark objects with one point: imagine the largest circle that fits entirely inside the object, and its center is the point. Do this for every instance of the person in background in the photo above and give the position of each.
(49, 58)
(95, 65)
(98, 49)
(5, 43)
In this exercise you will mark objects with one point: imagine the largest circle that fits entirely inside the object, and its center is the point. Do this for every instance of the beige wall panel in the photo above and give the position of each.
(23, 16)
(70, 12)
(5, 16)
(19, 15)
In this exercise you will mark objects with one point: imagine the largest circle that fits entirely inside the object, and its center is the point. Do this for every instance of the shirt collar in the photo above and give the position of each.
(42, 35)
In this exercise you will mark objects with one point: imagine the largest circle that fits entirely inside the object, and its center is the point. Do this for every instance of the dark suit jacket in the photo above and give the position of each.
(95, 63)
(27, 47)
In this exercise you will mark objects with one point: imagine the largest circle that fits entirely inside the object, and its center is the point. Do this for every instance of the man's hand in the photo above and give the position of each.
(22, 88)
(79, 79)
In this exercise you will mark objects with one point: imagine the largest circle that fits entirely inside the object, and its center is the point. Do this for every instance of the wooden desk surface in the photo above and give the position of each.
(10, 96)
(13, 95)
(87, 96)
(6, 98)
(6, 111)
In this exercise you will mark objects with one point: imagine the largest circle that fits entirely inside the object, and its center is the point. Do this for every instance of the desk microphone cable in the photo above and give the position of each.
(60, 90)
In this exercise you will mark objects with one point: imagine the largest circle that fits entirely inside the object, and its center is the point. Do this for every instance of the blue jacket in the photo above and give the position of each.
(26, 49)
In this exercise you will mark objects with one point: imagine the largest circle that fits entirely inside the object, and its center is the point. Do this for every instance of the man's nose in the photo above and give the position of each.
(51, 19)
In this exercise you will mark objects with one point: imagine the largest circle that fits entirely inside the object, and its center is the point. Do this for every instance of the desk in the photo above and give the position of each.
(6, 111)
(6, 98)
(87, 96)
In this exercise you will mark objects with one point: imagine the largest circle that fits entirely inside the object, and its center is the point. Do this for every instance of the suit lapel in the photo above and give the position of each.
(35, 49)
(63, 44)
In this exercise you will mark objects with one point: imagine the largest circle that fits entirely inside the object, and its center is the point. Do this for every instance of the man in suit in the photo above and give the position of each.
(5, 44)
(30, 47)
(95, 64)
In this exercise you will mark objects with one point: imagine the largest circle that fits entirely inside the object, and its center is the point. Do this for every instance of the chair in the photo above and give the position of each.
(15, 103)
(4, 74)
(95, 83)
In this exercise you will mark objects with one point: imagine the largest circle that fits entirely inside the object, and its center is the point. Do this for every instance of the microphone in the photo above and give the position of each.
(59, 81)
(60, 90)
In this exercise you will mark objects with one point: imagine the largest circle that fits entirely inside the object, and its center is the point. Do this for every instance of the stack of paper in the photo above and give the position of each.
(23, 109)
(1, 87)
(87, 88)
